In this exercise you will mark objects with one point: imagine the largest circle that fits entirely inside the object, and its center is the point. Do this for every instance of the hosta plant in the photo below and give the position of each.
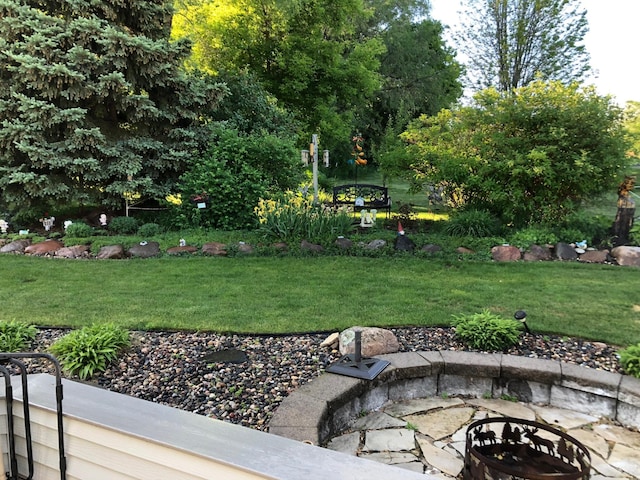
(487, 331)
(16, 335)
(630, 360)
(89, 350)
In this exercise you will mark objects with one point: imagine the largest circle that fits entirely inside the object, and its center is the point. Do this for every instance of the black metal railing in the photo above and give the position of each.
(15, 360)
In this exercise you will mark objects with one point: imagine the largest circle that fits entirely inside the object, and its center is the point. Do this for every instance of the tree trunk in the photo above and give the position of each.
(622, 225)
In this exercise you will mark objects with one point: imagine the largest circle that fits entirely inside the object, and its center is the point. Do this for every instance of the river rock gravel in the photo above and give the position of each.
(175, 369)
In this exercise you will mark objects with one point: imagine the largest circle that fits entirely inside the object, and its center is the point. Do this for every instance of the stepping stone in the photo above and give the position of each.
(409, 407)
(594, 442)
(378, 421)
(625, 458)
(504, 407)
(438, 458)
(561, 418)
(617, 434)
(441, 423)
(392, 458)
(391, 440)
(348, 443)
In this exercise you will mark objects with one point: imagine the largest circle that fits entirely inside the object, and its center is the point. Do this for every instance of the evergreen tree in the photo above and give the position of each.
(93, 103)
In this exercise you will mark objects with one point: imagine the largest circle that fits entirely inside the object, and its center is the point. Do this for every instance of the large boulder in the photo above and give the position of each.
(111, 252)
(595, 256)
(431, 248)
(145, 250)
(343, 243)
(17, 246)
(214, 248)
(376, 244)
(537, 253)
(310, 247)
(374, 341)
(627, 256)
(181, 249)
(564, 251)
(48, 247)
(76, 251)
(505, 253)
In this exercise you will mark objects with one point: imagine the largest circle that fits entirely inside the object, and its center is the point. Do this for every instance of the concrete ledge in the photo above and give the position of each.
(428, 374)
(111, 435)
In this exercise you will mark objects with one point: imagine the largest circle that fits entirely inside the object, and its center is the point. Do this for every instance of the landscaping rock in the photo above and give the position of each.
(431, 248)
(280, 246)
(376, 244)
(179, 250)
(111, 252)
(310, 247)
(17, 246)
(76, 251)
(214, 248)
(374, 341)
(628, 256)
(244, 248)
(505, 253)
(344, 243)
(564, 251)
(332, 341)
(595, 256)
(536, 253)
(145, 250)
(48, 247)
(464, 250)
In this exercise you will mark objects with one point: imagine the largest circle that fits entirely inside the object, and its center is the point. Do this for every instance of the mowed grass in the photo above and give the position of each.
(271, 295)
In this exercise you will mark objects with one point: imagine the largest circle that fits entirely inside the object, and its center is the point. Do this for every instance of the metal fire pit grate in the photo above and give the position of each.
(518, 449)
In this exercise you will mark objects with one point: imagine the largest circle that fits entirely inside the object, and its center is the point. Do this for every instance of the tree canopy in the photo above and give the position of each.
(510, 42)
(526, 156)
(339, 67)
(93, 102)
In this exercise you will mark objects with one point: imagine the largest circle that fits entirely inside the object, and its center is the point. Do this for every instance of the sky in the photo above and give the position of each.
(611, 43)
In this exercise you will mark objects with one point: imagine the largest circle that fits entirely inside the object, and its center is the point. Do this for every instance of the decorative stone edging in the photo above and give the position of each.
(324, 407)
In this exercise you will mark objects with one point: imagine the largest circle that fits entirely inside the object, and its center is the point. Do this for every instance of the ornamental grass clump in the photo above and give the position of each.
(292, 217)
(630, 360)
(16, 335)
(487, 331)
(89, 350)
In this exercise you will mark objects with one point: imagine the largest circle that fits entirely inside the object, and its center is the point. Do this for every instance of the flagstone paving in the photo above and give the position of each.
(429, 435)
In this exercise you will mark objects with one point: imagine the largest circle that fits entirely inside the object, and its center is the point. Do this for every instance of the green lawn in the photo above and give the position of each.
(283, 295)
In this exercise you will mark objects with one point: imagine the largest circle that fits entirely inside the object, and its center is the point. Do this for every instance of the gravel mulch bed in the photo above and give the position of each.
(171, 367)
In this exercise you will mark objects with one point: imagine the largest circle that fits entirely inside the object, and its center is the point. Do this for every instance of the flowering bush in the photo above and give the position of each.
(292, 217)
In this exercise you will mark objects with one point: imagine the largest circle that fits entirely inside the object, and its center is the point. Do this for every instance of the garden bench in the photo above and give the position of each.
(362, 196)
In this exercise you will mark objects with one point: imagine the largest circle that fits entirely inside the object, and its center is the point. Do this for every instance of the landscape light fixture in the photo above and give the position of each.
(521, 316)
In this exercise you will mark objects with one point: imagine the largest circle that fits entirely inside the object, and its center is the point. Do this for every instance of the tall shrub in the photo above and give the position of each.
(530, 155)
(235, 173)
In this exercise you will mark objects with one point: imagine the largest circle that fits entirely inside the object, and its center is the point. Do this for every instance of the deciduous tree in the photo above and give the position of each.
(509, 42)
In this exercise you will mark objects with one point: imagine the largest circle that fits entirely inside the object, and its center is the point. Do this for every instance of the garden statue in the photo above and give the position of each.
(47, 223)
(66, 223)
(366, 219)
(3, 226)
(183, 242)
(103, 220)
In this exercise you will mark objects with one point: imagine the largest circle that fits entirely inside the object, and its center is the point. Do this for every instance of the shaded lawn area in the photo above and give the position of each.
(265, 295)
